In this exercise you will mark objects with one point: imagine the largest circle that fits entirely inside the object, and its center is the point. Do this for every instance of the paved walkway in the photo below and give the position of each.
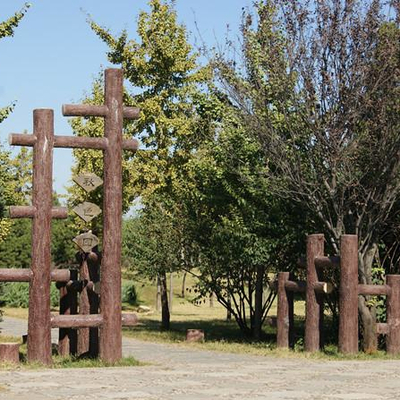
(182, 374)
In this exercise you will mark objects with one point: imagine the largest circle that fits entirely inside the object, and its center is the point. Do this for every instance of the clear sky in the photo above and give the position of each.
(54, 55)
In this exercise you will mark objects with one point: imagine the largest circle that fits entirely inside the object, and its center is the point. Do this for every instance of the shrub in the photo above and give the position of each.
(16, 294)
(129, 294)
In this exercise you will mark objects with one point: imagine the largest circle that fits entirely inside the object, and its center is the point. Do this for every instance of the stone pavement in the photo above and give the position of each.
(180, 373)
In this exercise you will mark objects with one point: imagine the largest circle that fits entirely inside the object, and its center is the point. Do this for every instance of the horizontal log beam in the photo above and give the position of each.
(321, 262)
(21, 139)
(87, 321)
(296, 286)
(29, 212)
(373, 290)
(327, 262)
(301, 287)
(24, 275)
(382, 328)
(323, 287)
(81, 142)
(84, 110)
(90, 110)
(76, 321)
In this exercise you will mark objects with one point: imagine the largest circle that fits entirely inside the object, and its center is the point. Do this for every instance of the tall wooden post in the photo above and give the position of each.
(39, 289)
(314, 300)
(284, 312)
(348, 295)
(393, 314)
(112, 144)
(42, 140)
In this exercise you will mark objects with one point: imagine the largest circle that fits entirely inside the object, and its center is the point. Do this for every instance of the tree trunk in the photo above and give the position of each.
(228, 310)
(158, 295)
(258, 303)
(183, 285)
(171, 291)
(165, 316)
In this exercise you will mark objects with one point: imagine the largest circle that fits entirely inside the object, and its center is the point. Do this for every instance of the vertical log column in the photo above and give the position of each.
(284, 312)
(348, 295)
(42, 212)
(393, 314)
(67, 337)
(314, 300)
(110, 288)
(112, 144)
(39, 331)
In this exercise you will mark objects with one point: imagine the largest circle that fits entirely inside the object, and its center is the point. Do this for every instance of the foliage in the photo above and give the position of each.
(319, 89)
(129, 294)
(16, 294)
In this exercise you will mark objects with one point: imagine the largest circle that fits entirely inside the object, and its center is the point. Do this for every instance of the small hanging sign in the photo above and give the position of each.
(87, 211)
(88, 181)
(86, 241)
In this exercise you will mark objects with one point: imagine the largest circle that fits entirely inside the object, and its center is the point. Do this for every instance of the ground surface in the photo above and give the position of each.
(180, 373)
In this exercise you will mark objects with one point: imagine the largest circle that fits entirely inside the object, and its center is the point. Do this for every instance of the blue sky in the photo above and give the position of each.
(54, 55)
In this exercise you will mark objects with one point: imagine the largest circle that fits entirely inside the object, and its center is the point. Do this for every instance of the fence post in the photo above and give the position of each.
(284, 323)
(314, 301)
(393, 314)
(348, 295)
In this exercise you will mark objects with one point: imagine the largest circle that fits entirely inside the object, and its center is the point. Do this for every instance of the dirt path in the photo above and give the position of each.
(178, 373)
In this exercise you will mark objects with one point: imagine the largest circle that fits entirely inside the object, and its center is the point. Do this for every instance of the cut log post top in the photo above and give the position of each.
(301, 286)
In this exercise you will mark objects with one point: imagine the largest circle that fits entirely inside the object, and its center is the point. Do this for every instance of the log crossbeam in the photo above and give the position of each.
(88, 321)
(25, 275)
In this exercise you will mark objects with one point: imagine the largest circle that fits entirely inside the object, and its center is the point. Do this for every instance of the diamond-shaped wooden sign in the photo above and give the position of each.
(86, 241)
(87, 211)
(88, 181)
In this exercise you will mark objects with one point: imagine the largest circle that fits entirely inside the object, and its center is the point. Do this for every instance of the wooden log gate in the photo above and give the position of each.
(43, 140)
(349, 290)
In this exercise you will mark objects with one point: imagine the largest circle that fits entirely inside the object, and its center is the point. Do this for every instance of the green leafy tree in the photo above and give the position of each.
(166, 79)
(319, 89)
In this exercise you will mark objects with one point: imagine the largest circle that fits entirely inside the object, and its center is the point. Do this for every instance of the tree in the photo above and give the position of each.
(243, 233)
(6, 179)
(163, 69)
(319, 89)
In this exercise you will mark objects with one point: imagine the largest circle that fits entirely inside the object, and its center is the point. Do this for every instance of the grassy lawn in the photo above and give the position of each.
(220, 334)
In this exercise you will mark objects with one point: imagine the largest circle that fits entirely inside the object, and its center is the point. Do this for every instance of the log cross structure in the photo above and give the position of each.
(43, 141)
(314, 288)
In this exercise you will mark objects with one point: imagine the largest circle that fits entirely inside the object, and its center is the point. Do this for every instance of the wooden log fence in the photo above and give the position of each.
(349, 290)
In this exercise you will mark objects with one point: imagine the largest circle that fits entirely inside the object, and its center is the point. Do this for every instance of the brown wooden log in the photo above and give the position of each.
(382, 328)
(194, 335)
(39, 338)
(129, 319)
(348, 295)
(84, 306)
(76, 321)
(21, 139)
(87, 321)
(9, 353)
(284, 321)
(323, 287)
(81, 142)
(373, 290)
(314, 301)
(393, 314)
(30, 211)
(24, 275)
(110, 289)
(327, 262)
(131, 112)
(295, 286)
(130, 144)
(67, 337)
(84, 110)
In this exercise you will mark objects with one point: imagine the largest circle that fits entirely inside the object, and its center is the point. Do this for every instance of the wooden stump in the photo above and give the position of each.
(194, 335)
(9, 352)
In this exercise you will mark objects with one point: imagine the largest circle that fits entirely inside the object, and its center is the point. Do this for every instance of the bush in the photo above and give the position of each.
(16, 294)
(129, 294)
